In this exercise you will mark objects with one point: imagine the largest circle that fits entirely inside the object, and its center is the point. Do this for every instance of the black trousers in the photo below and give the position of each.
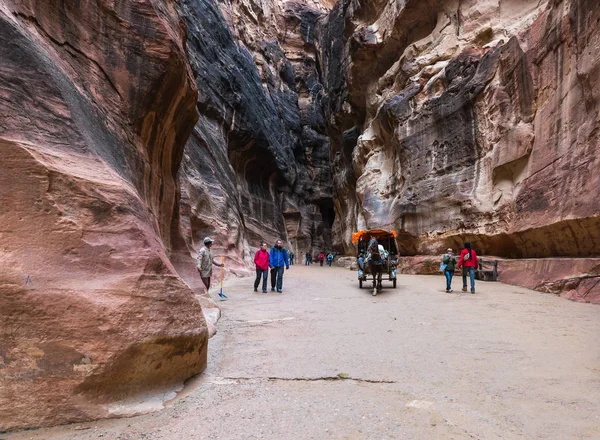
(264, 274)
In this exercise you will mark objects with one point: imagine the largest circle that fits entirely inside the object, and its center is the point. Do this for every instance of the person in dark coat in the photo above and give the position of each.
(278, 260)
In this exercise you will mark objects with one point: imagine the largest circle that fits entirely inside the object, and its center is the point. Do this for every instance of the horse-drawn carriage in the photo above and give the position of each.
(377, 255)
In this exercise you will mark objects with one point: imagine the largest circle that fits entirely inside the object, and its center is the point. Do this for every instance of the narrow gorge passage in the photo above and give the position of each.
(413, 363)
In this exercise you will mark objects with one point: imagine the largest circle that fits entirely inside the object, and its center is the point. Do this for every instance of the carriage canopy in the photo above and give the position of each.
(385, 238)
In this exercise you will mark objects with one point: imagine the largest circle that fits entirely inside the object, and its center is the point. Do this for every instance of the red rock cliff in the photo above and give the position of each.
(96, 103)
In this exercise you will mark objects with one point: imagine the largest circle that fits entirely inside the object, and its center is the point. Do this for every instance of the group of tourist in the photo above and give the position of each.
(321, 258)
(278, 258)
(467, 260)
(275, 259)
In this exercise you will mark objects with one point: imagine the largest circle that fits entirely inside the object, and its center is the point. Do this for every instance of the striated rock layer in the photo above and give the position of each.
(257, 164)
(478, 120)
(96, 104)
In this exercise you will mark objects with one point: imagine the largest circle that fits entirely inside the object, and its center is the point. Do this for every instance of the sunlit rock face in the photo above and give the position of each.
(476, 120)
(97, 101)
(257, 164)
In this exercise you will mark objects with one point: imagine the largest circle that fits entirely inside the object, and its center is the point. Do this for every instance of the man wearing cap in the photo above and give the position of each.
(204, 262)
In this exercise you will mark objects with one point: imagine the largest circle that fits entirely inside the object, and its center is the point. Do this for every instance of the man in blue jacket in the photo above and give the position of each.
(278, 259)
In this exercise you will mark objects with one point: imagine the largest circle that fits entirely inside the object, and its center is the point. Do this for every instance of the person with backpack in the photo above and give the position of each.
(469, 262)
(291, 258)
(307, 257)
(448, 266)
(329, 259)
(261, 260)
(278, 258)
(321, 258)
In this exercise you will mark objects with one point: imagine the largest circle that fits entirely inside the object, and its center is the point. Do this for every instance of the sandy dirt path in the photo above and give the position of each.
(325, 360)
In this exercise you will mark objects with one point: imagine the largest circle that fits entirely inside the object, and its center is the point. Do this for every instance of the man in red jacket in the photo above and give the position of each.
(468, 261)
(261, 259)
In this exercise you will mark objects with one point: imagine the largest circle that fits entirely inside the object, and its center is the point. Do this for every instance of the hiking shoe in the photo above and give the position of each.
(447, 290)
(464, 289)
(272, 289)
(279, 291)
(264, 291)
(450, 291)
(473, 291)
(255, 289)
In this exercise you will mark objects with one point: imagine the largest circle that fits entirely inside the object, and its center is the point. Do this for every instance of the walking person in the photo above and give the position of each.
(329, 259)
(321, 258)
(307, 256)
(291, 258)
(469, 262)
(261, 260)
(278, 259)
(204, 262)
(449, 265)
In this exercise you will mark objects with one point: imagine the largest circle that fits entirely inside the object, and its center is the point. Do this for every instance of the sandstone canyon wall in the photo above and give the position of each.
(97, 101)
(257, 163)
(130, 131)
(256, 166)
(454, 120)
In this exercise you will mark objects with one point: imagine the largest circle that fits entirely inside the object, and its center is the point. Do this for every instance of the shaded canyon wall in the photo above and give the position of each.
(257, 164)
(454, 120)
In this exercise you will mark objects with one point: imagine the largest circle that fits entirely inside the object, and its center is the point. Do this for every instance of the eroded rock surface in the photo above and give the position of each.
(470, 119)
(118, 167)
(96, 103)
(130, 130)
(257, 163)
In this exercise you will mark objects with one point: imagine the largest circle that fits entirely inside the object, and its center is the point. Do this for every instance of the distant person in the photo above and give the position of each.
(321, 258)
(329, 259)
(204, 262)
(292, 258)
(261, 260)
(469, 262)
(278, 259)
(449, 266)
(307, 263)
